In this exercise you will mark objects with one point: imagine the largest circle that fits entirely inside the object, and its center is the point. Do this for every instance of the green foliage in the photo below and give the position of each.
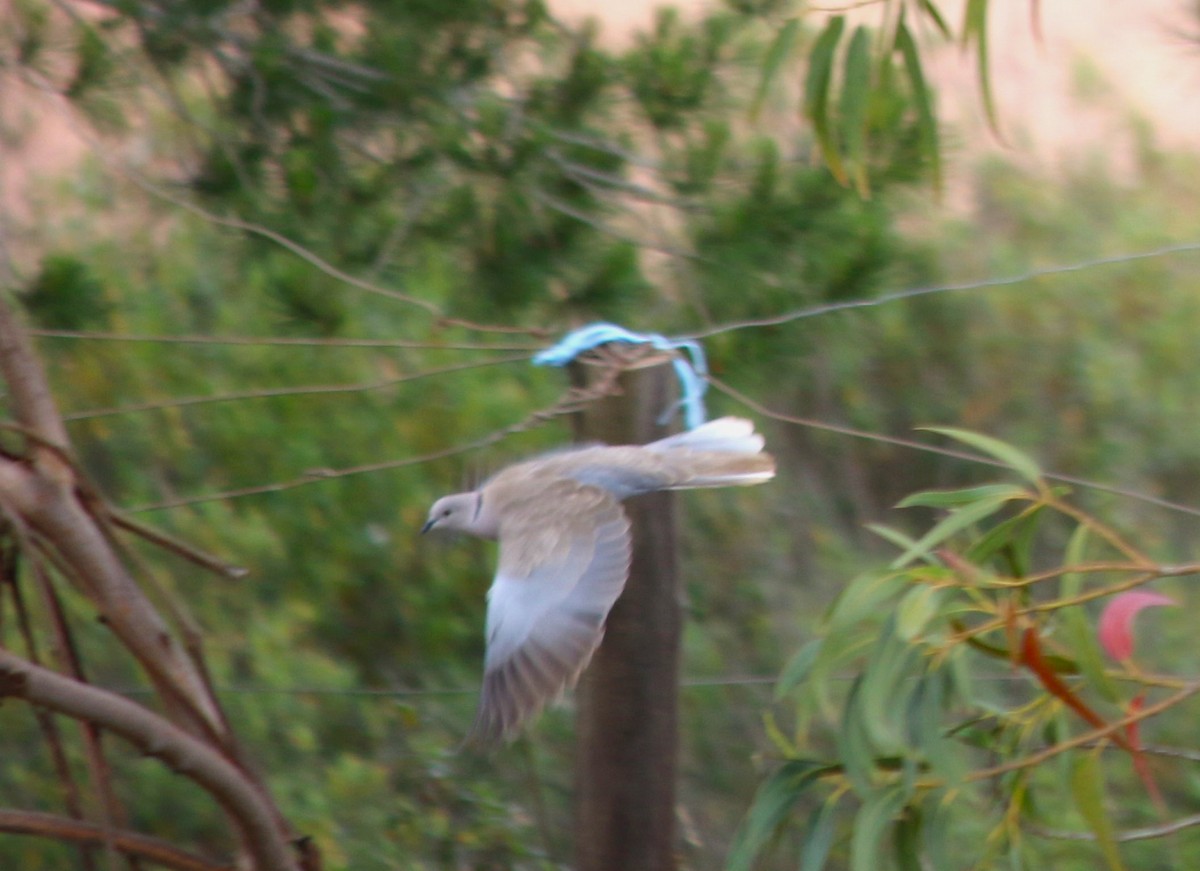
(931, 737)
(485, 161)
(65, 295)
(490, 164)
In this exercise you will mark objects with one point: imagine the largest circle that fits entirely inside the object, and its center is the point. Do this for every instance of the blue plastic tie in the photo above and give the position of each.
(691, 370)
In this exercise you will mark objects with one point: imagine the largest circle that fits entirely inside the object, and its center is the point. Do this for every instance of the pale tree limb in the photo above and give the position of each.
(156, 736)
(44, 494)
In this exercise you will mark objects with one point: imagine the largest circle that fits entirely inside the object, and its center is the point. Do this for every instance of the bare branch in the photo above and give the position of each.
(55, 512)
(1112, 728)
(17, 822)
(158, 737)
(1143, 834)
(180, 548)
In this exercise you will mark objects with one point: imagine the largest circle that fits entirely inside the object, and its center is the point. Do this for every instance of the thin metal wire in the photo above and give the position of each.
(955, 287)
(911, 444)
(285, 341)
(276, 392)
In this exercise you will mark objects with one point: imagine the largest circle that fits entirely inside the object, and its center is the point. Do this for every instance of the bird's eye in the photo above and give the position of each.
(446, 512)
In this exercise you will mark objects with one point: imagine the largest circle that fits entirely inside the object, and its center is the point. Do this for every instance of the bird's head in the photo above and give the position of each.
(454, 512)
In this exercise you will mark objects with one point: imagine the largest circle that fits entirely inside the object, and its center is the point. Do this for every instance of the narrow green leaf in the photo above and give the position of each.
(907, 842)
(1087, 788)
(817, 86)
(935, 15)
(886, 685)
(781, 46)
(839, 649)
(1017, 460)
(934, 835)
(896, 537)
(1014, 534)
(863, 597)
(798, 667)
(856, 92)
(1078, 630)
(927, 126)
(854, 745)
(916, 608)
(953, 498)
(956, 521)
(872, 821)
(818, 836)
(926, 717)
(772, 803)
(975, 29)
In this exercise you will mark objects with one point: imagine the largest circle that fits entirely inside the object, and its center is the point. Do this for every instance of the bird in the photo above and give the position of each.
(564, 553)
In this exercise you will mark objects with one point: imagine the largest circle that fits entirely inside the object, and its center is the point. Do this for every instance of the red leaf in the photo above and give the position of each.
(1031, 655)
(1115, 629)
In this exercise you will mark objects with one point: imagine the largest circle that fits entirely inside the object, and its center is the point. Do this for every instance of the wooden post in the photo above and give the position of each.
(627, 722)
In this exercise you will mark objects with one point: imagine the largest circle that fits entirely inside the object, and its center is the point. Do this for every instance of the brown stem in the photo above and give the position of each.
(1108, 731)
(132, 844)
(45, 720)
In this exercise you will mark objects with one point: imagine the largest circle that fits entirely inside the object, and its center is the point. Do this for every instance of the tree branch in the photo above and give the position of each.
(134, 844)
(31, 398)
(156, 736)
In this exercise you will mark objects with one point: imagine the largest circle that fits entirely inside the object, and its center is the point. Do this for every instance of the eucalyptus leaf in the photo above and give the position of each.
(798, 667)
(877, 814)
(818, 836)
(917, 607)
(966, 496)
(1087, 788)
(956, 521)
(864, 597)
(781, 46)
(772, 804)
(817, 86)
(1013, 458)
(856, 92)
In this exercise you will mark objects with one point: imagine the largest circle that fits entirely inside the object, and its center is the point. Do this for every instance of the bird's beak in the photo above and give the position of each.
(428, 525)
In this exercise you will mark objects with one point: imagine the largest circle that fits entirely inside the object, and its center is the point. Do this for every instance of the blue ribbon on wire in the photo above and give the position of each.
(691, 369)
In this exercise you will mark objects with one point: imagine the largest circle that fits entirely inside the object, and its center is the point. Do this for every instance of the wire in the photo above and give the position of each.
(573, 400)
(263, 341)
(271, 393)
(945, 452)
(431, 692)
(980, 284)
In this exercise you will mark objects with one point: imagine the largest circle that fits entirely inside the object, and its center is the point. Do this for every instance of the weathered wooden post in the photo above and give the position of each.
(627, 726)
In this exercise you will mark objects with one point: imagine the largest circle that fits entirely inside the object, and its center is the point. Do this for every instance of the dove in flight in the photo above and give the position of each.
(565, 552)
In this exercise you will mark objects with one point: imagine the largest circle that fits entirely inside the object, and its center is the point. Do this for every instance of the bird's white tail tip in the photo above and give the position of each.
(733, 435)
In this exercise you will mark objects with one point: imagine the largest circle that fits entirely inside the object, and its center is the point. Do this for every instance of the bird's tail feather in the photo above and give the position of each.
(734, 435)
(721, 453)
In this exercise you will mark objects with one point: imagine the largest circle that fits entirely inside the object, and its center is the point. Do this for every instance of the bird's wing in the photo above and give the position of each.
(564, 559)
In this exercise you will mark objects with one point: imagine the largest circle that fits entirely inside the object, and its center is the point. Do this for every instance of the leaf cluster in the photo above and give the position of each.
(956, 704)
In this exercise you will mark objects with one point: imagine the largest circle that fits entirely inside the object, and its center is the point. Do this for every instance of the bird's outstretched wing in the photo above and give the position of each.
(564, 559)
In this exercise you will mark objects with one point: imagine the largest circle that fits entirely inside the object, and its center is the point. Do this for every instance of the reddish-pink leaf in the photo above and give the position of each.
(1115, 630)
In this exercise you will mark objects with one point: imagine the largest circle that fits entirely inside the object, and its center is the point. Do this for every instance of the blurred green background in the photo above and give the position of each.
(508, 169)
